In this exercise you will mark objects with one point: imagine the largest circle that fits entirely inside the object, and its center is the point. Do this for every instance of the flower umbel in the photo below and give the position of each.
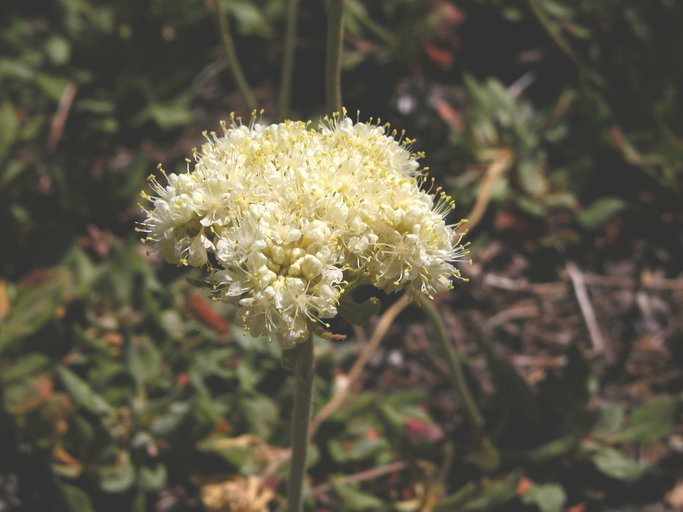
(286, 217)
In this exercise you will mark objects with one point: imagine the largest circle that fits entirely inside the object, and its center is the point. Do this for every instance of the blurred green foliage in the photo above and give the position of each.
(120, 385)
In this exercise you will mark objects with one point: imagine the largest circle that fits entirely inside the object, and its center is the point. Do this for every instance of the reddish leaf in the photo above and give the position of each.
(442, 57)
(4, 300)
(182, 379)
(201, 309)
(23, 397)
(448, 114)
(419, 431)
(38, 277)
(524, 486)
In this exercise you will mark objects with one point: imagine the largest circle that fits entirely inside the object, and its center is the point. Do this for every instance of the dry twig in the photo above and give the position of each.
(59, 120)
(382, 326)
(499, 165)
(599, 342)
(362, 476)
(516, 312)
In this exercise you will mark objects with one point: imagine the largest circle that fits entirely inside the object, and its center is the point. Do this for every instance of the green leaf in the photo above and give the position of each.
(609, 422)
(33, 308)
(356, 404)
(9, 124)
(355, 499)
(553, 449)
(169, 116)
(144, 360)
(152, 478)
(58, 49)
(261, 413)
(454, 501)
(9, 171)
(486, 457)
(531, 206)
(172, 419)
(600, 211)
(358, 314)
(531, 178)
(617, 465)
(393, 418)
(85, 273)
(96, 106)
(494, 494)
(75, 499)
(547, 497)
(118, 477)
(250, 20)
(343, 451)
(81, 392)
(27, 365)
(650, 422)
(52, 86)
(407, 399)
(24, 396)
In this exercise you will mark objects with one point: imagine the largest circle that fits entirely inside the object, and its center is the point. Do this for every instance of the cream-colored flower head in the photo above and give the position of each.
(286, 217)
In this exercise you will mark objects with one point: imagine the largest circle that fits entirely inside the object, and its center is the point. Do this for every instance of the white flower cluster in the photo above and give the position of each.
(286, 218)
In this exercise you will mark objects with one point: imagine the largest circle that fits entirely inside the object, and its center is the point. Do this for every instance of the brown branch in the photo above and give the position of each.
(499, 165)
(522, 285)
(357, 369)
(513, 313)
(62, 113)
(362, 476)
(599, 342)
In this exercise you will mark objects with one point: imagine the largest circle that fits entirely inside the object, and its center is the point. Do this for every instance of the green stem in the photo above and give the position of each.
(556, 35)
(303, 397)
(288, 59)
(335, 40)
(231, 55)
(457, 374)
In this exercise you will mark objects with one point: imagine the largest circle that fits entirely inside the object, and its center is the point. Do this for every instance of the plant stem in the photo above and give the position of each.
(335, 40)
(556, 35)
(457, 374)
(303, 397)
(231, 55)
(288, 59)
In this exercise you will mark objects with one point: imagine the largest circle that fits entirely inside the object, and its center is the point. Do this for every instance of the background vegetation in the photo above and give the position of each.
(557, 124)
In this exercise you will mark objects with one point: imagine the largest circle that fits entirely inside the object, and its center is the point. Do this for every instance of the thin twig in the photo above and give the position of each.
(500, 164)
(646, 282)
(335, 41)
(599, 342)
(609, 281)
(558, 38)
(338, 399)
(288, 59)
(522, 285)
(59, 120)
(231, 56)
(513, 313)
(557, 287)
(362, 476)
